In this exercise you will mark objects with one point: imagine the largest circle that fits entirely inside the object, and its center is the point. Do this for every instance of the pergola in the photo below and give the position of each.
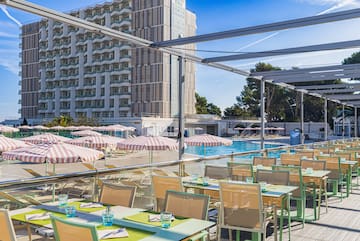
(344, 94)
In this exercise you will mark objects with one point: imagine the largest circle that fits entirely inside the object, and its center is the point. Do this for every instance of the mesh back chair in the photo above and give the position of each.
(315, 165)
(65, 230)
(275, 177)
(217, 172)
(117, 195)
(343, 155)
(317, 187)
(265, 161)
(299, 195)
(290, 159)
(240, 171)
(241, 208)
(160, 185)
(7, 229)
(328, 158)
(306, 153)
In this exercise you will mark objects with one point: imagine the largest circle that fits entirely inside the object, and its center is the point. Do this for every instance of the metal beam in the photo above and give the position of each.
(296, 50)
(294, 23)
(337, 91)
(314, 78)
(324, 87)
(344, 97)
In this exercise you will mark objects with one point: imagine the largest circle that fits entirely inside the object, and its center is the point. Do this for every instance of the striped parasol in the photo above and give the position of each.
(85, 133)
(7, 144)
(4, 128)
(207, 140)
(113, 128)
(45, 138)
(53, 153)
(151, 143)
(97, 142)
(40, 127)
(57, 128)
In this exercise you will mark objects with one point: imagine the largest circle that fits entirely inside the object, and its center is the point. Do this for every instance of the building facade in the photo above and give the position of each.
(86, 74)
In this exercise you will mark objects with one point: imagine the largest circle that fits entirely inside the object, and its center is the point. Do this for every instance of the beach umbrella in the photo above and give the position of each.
(85, 133)
(25, 127)
(45, 138)
(7, 144)
(57, 128)
(207, 140)
(113, 128)
(81, 128)
(4, 128)
(40, 127)
(97, 142)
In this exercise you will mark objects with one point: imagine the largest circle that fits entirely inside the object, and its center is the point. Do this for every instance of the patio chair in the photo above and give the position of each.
(299, 195)
(287, 159)
(65, 229)
(305, 153)
(264, 161)
(117, 194)
(241, 209)
(315, 186)
(188, 205)
(336, 177)
(240, 171)
(7, 229)
(275, 177)
(160, 185)
(216, 172)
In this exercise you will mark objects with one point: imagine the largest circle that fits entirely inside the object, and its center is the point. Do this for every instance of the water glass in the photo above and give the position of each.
(206, 181)
(165, 218)
(309, 170)
(249, 179)
(70, 211)
(194, 177)
(107, 219)
(263, 186)
(63, 199)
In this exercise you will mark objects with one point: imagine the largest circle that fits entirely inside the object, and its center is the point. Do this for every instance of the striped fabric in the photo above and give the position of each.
(85, 133)
(114, 128)
(207, 140)
(7, 144)
(97, 142)
(4, 128)
(148, 143)
(45, 138)
(53, 153)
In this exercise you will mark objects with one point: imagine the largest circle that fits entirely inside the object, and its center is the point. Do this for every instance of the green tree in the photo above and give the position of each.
(353, 59)
(203, 107)
(63, 120)
(236, 111)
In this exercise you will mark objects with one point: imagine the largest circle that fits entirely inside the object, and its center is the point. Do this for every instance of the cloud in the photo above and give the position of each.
(8, 35)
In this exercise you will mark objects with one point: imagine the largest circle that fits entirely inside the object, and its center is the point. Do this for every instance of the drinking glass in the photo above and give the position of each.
(63, 199)
(263, 186)
(249, 180)
(70, 211)
(309, 170)
(107, 218)
(165, 218)
(206, 181)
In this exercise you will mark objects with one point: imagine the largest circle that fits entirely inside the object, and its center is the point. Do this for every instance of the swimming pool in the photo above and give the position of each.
(237, 146)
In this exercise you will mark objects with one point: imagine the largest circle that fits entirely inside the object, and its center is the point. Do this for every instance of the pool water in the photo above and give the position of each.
(237, 146)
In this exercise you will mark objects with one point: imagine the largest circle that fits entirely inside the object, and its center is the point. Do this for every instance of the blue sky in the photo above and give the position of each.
(217, 86)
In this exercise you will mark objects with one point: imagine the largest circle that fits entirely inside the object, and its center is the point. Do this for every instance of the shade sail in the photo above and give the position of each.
(53, 153)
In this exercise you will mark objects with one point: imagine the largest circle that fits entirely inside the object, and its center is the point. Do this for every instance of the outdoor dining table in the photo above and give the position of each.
(135, 220)
(275, 196)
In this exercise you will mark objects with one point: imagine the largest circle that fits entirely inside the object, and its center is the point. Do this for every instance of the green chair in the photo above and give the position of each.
(299, 195)
(65, 230)
(188, 205)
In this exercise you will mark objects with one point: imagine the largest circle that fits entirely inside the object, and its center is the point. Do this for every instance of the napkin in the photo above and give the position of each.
(157, 218)
(91, 205)
(112, 233)
(37, 216)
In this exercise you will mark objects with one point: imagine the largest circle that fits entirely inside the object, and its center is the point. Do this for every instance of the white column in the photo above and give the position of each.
(355, 123)
(262, 112)
(302, 117)
(325, 120)
(181, 107)
(343, 121)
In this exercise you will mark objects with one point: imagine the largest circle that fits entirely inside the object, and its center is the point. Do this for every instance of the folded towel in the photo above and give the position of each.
(91, 205)
(157, 218)
(112, 233)
(37, 216)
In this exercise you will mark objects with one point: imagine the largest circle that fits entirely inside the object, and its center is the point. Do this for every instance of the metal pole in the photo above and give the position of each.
(302, 117)
(181, 107)
(262, 112)
(325, 120)
(355, 123)
(343, 121)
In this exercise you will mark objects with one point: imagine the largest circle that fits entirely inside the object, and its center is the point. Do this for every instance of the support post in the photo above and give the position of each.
(262, 112)
(181, 111)
(325, 120)
(355, 123)
(343, 121)
(302, 117)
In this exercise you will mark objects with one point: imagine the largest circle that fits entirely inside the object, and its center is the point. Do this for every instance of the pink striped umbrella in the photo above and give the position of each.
(45, 138)
(114, 128)
(7, 144)
(97, 142)
(4, 128)
(53, 153)
(85, 133)
(207, 140)
(151, 143)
